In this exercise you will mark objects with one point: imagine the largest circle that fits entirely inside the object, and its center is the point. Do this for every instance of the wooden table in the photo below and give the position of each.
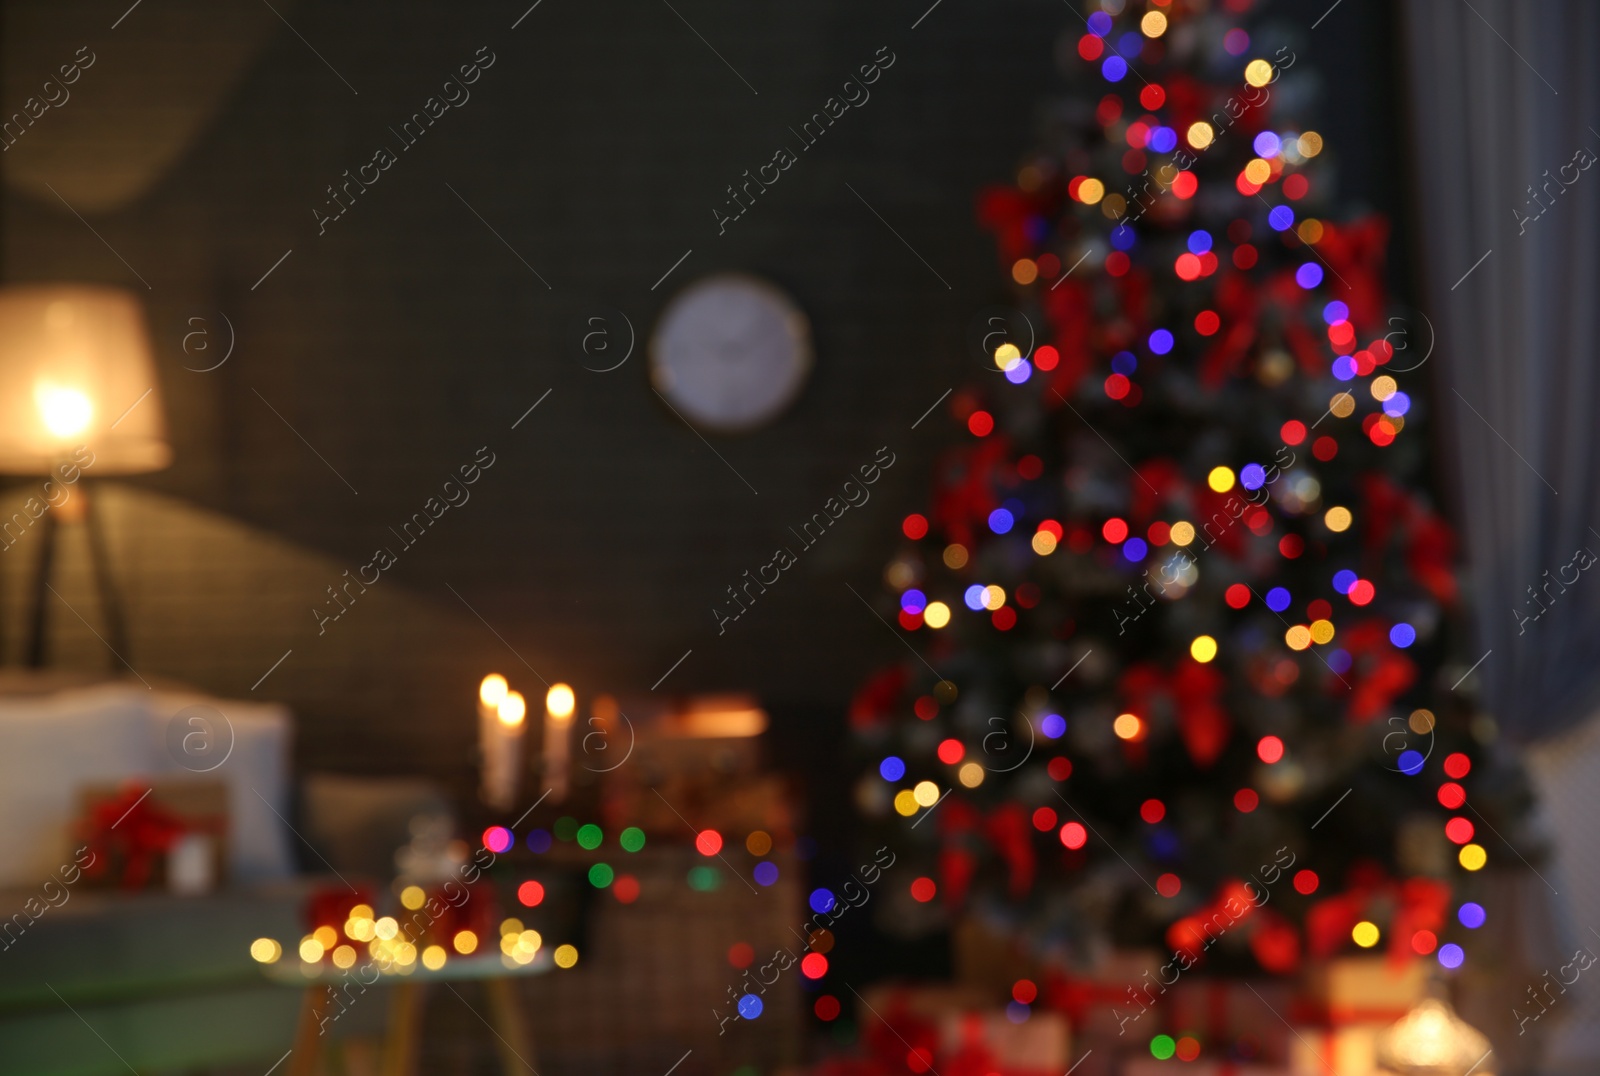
(324, 984)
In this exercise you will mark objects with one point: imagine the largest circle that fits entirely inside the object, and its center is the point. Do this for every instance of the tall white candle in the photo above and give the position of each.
(501, 714)
(559, 704)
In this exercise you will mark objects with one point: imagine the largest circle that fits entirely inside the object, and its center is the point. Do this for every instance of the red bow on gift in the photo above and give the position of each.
(132, 830)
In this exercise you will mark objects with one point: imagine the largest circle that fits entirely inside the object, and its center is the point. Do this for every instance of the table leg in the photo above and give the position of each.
(511, 1030)
(308, 1032)
(405, 1030)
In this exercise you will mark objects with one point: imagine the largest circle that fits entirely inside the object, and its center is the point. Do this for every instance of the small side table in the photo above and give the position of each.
(402, 1033)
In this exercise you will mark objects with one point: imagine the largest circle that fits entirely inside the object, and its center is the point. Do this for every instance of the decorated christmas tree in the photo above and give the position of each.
(1179, 596)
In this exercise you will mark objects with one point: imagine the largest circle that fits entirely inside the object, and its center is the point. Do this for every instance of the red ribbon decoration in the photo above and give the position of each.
(133, 831)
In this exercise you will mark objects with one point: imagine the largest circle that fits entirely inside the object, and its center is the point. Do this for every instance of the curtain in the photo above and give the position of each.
(1505, 96)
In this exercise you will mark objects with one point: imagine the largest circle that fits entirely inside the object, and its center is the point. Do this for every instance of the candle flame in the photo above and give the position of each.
(559, 702)
(512, 709)
(493, 690)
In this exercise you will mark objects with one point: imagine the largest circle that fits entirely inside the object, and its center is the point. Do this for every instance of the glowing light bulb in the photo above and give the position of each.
(65, 411)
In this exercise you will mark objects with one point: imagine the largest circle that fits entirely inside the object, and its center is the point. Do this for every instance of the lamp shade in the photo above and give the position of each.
(76, 369)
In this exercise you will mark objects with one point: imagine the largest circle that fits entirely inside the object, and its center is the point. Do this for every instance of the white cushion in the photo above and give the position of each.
(50, 746)
(53, 745)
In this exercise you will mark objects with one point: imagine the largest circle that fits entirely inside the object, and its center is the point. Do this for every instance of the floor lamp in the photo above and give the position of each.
(79, 402)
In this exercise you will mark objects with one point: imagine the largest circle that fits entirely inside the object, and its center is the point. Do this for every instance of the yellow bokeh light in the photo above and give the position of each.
(905, 804)
(1154, 24)
(1342, 404)
(1309, 231)
(1203, 649)
(1258, 171)
(559, 701)
(310, 950)
(955, 555)
(1091, 191)
(265, 951)
(361, 930)
(1298, 637)
(405, 954)
(1044, 543)
(1383, 387)
(361, 911)
(433, 957)
(386, 928)
(1006, 356)
(1127, 726)
(970, 775)
(1337, 519)
(1182, 532)
(758, 843)
(936, 615)
(1310, 144)
(993, 597)
(511, 926)
(926, 793)
(508, 944)
(1024, 271)
(530, 940)
(465, 942)
(512, 709)
(566, 956)
(1200, 134)
(326, 937)
(1322, 631)
(344, 957)
(490, 692)
(413, 897)
(1473, 857)
(1220, 479)
(1421, 721)
(1258, 72)
(1365, 934)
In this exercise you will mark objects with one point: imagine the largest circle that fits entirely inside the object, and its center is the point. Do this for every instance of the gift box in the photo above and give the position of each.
(1363, 989)
(1235, 1016)
(1346, 1049)
(166, 832)
(1109, 999)
(1149, 1066)
(990, 1042)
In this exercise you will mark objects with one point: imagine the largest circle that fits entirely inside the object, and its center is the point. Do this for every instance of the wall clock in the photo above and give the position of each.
(730, 352)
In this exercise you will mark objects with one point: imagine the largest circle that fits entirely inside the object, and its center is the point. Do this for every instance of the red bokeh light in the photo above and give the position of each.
(1073, 835)
(1457, 765)
(1114, 531)
(1452, 795)
(1246, 800)
(1044, 819)
(530, 893)
(1306, 882)
(708, 842)
(813, 965)
(1152, 811)
(951, 752)
(1269, 749)
(981, 423)
(923, 890)
(914, 526)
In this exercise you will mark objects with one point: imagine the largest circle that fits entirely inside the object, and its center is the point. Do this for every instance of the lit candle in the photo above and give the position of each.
(559, 703)
(501, 714)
